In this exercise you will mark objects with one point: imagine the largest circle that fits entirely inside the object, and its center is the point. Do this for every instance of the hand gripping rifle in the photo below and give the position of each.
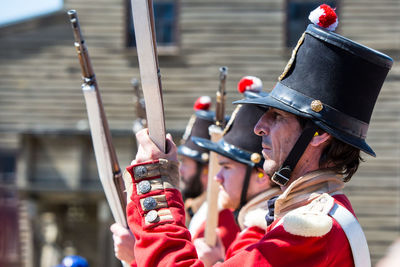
(107, 163)
(215, 131)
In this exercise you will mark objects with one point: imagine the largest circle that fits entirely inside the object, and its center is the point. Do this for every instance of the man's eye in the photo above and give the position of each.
(278, 115)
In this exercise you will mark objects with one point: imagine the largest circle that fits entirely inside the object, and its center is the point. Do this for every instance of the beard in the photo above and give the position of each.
(270, 168)
(192, 187)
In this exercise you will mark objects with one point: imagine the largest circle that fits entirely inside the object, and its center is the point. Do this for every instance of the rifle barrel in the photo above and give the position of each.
(80, 46)
(221, 95)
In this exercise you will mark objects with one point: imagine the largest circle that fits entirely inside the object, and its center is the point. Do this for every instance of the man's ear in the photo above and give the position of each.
(204, 170)
(261, 177)
(320, 139)
(204, 175)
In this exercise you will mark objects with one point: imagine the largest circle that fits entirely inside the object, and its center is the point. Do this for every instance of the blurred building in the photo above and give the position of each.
(51, 200)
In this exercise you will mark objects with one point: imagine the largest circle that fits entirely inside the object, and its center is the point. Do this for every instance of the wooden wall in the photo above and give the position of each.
(40, 79)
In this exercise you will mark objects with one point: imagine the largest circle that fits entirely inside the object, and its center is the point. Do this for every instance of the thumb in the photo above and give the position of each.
(170, 139)
(171, 147)
(169, 136)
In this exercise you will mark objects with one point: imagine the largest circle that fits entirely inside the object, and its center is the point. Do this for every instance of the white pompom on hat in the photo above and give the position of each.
(250, 83)
(325, 17)
(202, 103)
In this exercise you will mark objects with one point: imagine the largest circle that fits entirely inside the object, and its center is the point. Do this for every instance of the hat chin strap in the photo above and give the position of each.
(282, 176)
(243, 196)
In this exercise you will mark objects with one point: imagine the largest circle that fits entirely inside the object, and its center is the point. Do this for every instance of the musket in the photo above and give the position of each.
(140, 122)
(216, 132)
(106, 159)
(142, 11)
(221, 98)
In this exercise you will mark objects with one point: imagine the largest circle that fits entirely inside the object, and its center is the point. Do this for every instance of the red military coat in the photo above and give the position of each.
(227, 228)
(246, 238)
(292, 240)
(251, 219)
(281, 248)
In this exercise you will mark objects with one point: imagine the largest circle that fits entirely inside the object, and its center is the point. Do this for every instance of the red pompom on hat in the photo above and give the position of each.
(250, 83)
(202, 103)
(325, 17)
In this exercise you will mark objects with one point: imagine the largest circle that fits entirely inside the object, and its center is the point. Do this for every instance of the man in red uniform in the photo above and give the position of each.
(193, 171)
(245, 188)
(314, 125)
(193, 184)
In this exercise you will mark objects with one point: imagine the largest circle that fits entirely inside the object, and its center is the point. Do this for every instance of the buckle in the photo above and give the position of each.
(282, 176)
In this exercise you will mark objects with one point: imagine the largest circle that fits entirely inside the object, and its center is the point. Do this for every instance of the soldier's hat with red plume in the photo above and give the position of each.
(331, 80)
(239, 142)
(197, 126)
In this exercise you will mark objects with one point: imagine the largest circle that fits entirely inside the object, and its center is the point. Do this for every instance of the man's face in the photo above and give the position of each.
(190, 184)
(187, 168)
(279, 131)
(230, 177)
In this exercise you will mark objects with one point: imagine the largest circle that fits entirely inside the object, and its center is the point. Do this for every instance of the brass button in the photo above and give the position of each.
(144, 187)
(316, 105)
(149, 203)
(151, 216)
(205, 156)
(140, 171)
(255, 158)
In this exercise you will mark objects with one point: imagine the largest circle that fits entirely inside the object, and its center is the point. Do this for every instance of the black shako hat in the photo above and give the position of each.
(239, 142)
(197, 126)
(333, 81)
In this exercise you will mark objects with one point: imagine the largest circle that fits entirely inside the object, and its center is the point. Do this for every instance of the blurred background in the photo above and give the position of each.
(51, 200)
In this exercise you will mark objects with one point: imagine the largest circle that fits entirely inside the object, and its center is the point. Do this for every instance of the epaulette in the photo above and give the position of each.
(255, 217)
(312, 220)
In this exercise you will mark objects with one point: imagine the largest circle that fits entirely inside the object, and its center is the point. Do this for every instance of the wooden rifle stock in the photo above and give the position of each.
(150, 76)
(213, 167)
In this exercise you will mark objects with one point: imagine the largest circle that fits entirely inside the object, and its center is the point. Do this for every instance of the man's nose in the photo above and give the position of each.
(260, 128)
(219, 178)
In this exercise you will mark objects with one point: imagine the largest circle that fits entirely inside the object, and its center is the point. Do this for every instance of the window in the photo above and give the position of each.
(297, 12)
(7, 167)
(166, 26)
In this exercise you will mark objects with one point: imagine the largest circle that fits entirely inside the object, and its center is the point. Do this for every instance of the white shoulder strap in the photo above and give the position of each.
(354, 233)
(198, 219)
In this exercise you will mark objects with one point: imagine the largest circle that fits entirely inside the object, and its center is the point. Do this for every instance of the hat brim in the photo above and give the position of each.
(268, 102)
(348, 139)
(219, 149)
(188, 152)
